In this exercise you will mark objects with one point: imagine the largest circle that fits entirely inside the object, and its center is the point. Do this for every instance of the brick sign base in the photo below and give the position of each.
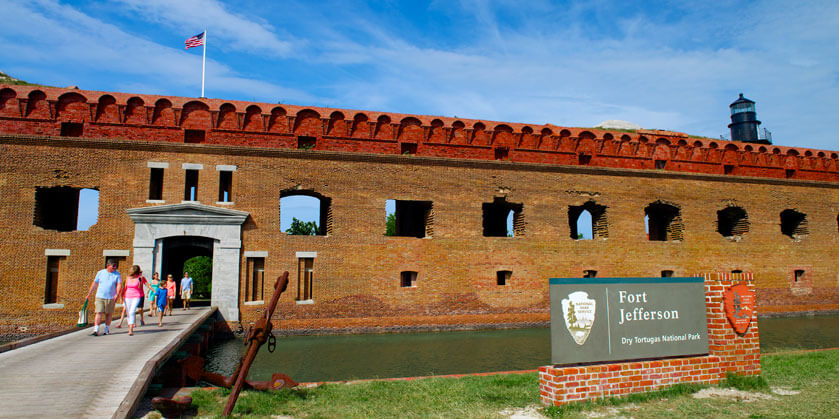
(728, 352)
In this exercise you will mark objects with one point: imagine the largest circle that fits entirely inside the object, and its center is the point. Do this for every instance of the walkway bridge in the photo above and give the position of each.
(78, 375)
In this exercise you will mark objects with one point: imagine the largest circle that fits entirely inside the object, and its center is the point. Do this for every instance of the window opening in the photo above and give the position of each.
(305, 272)
(408, 148)
(503, 277)
(194, 136)
(790, 173)
(409, 218)
(666, 273)
(156, 184)
(408, 279)
(117, 261)
(51, 285)
(584, 159)
(501, 153)
(496, 215)
(794, 224)
(799, 275)
(589, 273)
(255, 279)
(732, 222)
(306, 143)
(660, 164)
(191, 185)
(64, 208)
(225, 186)
(588, 221)
(305, 213)
(663, 222)
(728, 169)
(72, 129)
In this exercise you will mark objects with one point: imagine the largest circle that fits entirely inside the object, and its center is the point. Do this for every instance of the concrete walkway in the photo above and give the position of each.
(78, 375)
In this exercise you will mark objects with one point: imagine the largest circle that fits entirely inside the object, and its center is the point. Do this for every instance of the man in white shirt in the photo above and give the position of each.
(108, 285)
(186, 289)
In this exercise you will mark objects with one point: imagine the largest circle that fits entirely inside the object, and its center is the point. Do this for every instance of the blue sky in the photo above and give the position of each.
(662, 65)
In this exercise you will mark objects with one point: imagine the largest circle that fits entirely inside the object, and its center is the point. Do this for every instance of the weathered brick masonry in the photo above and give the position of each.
(728, 352)
(358, 160)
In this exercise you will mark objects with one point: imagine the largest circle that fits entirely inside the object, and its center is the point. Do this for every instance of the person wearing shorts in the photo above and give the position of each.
(108, 285)
(186, 289)
(161, 298)
(171, 288)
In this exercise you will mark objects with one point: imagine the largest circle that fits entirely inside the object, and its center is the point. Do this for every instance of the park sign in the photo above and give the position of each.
(618, 319)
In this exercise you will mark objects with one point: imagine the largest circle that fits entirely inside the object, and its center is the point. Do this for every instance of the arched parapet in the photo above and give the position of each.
(547, 140)
(107, 110)
(502, 136)
(360, 126)
(337, 125)
(458, 134)
(227, 117)
(9, 103)
(410, 130)
(135, 111)
(479, 134)
(383, 130)
(436, 133)
(254, 120)
(307, 123)
(72, 106)
(163, 114)
(566, 142)
(278, 121)
(196, 116)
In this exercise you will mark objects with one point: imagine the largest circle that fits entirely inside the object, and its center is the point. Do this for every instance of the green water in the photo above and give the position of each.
(347, 357)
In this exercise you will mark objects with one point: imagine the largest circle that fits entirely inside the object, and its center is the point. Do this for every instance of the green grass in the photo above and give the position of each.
(813, 374)
(7, 79)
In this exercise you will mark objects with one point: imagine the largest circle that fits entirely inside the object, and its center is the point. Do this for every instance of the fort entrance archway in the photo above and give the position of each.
(165, 234)
(176, 251)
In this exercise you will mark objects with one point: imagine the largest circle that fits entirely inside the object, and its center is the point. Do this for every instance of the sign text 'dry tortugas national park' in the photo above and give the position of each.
(612, 319)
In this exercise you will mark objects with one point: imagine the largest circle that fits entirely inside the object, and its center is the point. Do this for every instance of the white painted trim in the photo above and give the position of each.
(306, 255)
(256, 253)
(56, 252)
(155, 201)
(304, 302)
(190, 202)
(225, 203)
(192, 166)
(53, 306)
(255, 303)
(157, 165)
(226, 167)
(116, 252)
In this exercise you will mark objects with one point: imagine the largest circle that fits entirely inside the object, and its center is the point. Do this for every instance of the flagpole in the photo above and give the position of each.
(203, 63)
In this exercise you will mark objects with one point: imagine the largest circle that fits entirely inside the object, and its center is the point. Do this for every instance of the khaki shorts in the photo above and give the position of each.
(186, 294)
(103, 305)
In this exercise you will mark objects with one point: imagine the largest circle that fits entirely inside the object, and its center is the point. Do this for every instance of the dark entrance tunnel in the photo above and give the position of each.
(176, 251)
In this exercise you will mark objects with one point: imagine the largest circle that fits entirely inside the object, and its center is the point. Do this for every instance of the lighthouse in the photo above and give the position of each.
(744, 121)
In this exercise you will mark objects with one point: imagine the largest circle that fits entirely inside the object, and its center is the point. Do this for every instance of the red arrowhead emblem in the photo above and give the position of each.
(739, 303)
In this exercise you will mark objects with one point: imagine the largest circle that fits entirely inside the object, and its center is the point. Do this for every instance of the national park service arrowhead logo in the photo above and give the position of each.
(579, 315)
(739, 304)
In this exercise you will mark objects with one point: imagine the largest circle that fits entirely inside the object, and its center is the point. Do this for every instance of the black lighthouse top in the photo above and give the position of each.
(743, 120)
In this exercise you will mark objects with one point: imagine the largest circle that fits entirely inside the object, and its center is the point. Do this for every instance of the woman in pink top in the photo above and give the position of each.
(170, 292)
(131, 293)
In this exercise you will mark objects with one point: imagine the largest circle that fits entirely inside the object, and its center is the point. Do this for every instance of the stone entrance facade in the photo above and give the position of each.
(224, 226)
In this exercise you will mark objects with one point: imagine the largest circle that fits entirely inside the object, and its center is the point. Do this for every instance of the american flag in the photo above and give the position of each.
(195, 41)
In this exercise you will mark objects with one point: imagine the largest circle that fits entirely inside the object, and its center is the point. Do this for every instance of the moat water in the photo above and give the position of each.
(347, 357)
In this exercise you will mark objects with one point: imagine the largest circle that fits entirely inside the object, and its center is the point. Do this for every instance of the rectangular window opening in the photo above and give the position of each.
(589, 273)
(191, 185)
(502, 153)
(305, 272)
(799, 275)
(72, 129)
(306, 143)
(503, 219)
(194, 136)
(118, 260)
(503, 277)
(728, 169)
(584, 159)
(225, 186)
(660, 164)
(156, 184)
(408, 279)
(666, 273)
(57, 208)
(256, 279)
(408, 148)
(790, 173)
(409, 218)
(51, 284)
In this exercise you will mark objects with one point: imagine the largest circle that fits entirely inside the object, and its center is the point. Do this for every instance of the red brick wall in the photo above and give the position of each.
(728, 352)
